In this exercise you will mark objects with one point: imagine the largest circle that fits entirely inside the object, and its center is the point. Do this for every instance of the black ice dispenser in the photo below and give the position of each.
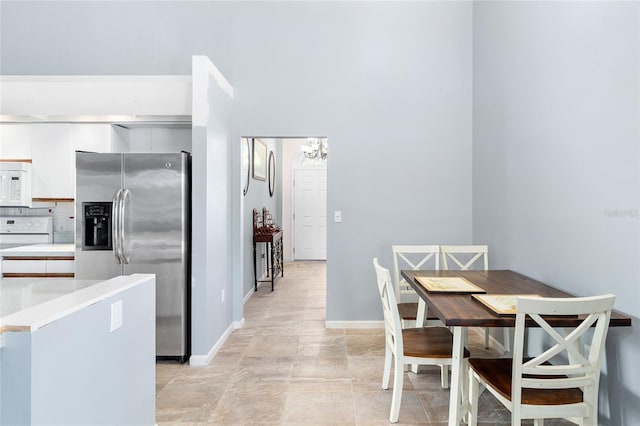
(97, 226)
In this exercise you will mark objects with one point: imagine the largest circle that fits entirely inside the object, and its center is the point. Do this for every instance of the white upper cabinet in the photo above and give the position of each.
(91, 137)
(51, 147)
(53, 161)
(15, 142)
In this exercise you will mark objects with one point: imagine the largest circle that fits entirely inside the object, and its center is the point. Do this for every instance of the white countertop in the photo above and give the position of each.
(27, 304)
(41, 250)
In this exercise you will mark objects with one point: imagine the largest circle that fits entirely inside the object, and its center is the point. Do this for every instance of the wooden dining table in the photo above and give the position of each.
(460, 311)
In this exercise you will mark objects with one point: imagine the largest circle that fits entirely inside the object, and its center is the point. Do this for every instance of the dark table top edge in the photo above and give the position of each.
(618, 319)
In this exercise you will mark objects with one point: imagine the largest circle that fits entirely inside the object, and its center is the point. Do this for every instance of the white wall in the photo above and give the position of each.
(389, 84)
(212, 301)
(556, 159)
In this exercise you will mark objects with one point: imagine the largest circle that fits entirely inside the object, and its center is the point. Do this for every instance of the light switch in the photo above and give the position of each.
(337, 216)
(116, 315)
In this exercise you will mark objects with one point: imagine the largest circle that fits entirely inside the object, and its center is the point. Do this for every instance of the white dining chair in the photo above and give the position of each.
(559, 382)
(413, 257)
(465, 257)
(471, 257)
(422, 345)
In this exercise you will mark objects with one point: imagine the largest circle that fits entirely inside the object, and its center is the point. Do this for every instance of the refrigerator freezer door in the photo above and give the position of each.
(155, 239)
(98, 178)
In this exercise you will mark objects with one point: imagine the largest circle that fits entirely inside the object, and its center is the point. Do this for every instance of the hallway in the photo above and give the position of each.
(285, 368)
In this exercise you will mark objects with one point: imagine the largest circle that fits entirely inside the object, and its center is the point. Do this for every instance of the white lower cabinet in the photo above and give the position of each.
(20, 266)
(61, 266)
(16, 267)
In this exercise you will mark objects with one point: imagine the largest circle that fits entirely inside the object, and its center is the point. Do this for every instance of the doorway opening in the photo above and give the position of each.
(297, 200)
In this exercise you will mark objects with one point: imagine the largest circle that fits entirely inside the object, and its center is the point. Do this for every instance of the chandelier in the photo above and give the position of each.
(316, 149)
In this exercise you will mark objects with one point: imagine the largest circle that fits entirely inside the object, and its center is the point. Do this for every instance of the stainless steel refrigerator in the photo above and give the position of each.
(133, 216)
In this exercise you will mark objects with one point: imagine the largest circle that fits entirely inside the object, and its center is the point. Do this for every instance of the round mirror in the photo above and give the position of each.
(245, 164)
(272, 173)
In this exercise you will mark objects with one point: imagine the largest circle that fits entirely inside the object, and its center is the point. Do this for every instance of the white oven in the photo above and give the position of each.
(15, 184)
(18, 231)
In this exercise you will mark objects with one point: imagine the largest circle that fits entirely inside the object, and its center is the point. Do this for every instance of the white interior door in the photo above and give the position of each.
(310, 214)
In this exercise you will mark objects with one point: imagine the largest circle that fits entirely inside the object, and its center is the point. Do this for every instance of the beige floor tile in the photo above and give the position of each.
(285, 368)
(313, 325)
(323, 331)
(280, 328)
(263, 369)
(373, 408)
(320, 368)
(322, 345)
(218, 372)
(188, 400)
(251, 404)
(310, 407)
(272, 345)
(365, 344)
(303, 385)
(314, 313)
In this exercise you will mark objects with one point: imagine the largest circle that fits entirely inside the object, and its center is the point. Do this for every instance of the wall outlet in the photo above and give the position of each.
(116, 315)
(337, 216)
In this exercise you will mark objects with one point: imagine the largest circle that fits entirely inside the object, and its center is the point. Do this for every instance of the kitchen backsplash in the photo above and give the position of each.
(63, 214)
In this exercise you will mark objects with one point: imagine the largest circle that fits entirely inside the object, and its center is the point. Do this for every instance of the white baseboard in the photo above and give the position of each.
(354, 324)
(206, 359)
(248, 295)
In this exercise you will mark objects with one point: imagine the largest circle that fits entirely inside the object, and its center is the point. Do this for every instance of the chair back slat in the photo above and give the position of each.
(564, 383)
(569, 343)
(392, 324)
(571, 367)
(466, 257)
(412, 257)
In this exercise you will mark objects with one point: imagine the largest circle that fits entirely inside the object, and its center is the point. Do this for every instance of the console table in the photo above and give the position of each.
(265, 231)
(275, 262)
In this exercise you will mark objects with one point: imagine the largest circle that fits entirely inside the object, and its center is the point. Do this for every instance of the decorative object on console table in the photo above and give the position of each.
(259, 160)
(266, 231)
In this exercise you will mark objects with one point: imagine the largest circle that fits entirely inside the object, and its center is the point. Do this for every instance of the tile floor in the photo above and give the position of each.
(285, 368)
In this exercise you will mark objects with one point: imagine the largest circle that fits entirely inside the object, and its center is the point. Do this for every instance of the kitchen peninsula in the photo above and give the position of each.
(70, 348)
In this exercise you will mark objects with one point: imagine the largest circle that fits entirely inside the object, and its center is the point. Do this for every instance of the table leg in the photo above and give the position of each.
(458, 376)
(422, 311)
(281, 257)
(255, 271)
(420, 318)
(273, 266)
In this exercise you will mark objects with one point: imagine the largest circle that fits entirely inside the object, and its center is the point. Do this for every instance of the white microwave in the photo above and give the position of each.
(15, 184)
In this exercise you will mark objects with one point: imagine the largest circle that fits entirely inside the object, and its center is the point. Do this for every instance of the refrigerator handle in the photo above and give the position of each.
(123, 200)
(115, 225)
